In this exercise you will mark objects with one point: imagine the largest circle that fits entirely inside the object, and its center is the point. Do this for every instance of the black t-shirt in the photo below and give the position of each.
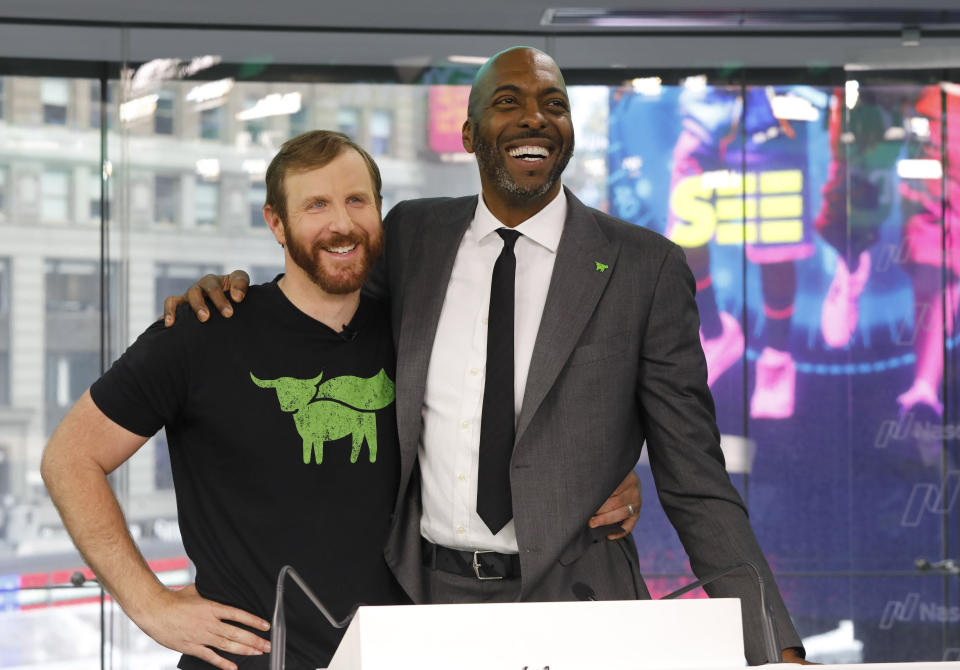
(264, 413)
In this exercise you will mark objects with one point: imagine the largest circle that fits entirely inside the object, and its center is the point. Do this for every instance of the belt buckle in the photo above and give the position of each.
(477, 566)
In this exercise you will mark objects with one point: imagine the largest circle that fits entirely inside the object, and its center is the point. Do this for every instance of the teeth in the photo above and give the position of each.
(530, 153)
(341, 250)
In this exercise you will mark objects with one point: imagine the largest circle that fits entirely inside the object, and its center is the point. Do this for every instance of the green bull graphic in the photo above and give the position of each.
(336, 408)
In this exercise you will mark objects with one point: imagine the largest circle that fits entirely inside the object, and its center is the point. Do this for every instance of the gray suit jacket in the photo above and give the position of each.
(617, 361)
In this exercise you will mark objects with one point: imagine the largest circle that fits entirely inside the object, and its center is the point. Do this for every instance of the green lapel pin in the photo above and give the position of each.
(601, 266)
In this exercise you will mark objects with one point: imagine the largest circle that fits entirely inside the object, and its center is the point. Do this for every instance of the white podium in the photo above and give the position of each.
(696, 634)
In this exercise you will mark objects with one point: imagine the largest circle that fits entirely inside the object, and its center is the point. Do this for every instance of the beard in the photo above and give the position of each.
(493, 164)
(339, 281)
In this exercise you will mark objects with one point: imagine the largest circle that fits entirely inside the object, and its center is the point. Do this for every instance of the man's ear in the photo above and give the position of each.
(274, 224)
(466, 135)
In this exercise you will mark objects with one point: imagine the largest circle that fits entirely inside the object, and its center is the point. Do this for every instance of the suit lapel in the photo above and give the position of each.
(425, 280)
(585, 261)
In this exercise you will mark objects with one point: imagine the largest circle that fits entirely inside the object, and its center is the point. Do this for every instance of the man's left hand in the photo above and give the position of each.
(623, 507)
(791, 656)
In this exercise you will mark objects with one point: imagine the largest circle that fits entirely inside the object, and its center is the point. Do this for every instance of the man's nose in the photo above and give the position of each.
(341, 221)
(533, 116)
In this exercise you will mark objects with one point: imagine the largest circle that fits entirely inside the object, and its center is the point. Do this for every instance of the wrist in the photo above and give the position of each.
(144, 601)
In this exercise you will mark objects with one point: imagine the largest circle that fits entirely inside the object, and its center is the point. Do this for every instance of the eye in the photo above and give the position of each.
(558, 104)
(317, 204)
(505, 100)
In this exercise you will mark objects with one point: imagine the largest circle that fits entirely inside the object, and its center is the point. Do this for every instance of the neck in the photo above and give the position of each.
(334, 311)
(512, 212)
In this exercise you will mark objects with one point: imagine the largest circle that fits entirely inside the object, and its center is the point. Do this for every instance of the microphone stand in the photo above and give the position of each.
(278, 628)
(771, 642)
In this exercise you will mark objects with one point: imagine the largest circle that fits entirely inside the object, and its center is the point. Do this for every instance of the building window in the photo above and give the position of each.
(55, 94)
(381, 129)
(4, 287)
(206, 202)
(4, 377)
(348, 122)
(3, 193)
(298, 121)
(254, 126)
(166, 198)
(95, 105)
(163, 115)
(55, 195)
(257, 197)
(211, 123)
(4, 331)
(73, 286)
(67, 376)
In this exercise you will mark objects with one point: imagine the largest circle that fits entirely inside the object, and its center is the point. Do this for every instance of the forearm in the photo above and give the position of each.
(92, 516)
(84, 448)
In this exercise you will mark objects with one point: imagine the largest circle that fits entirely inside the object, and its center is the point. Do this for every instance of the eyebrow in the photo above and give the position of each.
(516, 89)
(310, 199)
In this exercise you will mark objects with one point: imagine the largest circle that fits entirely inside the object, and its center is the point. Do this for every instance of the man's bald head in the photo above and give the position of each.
(486, 76)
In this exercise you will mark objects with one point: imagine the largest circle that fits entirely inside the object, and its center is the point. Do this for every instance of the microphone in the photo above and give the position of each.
(948, 566)
(348, 334)
(278, 628)
(77, 579)
(584, 592)
(771, 641)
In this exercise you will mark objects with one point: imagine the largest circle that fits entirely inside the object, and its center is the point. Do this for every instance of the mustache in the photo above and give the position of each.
(340, 240)
(531, 134)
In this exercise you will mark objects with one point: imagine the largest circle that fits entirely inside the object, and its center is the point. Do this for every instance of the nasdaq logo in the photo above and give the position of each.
(931, 498)
(734, 208)
(911, 609)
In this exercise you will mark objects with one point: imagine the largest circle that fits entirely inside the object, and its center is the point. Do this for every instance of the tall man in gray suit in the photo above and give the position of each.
(605, 354)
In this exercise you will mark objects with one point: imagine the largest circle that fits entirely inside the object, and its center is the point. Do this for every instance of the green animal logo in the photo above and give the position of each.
(336, 408)
(601, 266)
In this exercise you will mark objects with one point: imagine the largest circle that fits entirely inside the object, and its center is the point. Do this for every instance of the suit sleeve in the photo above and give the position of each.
(686, 460)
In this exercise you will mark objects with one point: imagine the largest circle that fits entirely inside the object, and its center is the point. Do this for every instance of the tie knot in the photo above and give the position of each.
(509, 236)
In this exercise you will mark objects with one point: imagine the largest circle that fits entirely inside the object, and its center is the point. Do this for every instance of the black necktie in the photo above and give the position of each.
(496, 422)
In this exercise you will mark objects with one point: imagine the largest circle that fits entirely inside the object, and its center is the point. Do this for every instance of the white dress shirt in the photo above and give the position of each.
(450, 440)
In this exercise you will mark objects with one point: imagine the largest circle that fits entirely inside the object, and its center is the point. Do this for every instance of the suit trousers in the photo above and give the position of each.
(446, 587)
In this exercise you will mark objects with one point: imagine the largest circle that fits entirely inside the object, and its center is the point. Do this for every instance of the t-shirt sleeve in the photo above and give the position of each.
(147, 386)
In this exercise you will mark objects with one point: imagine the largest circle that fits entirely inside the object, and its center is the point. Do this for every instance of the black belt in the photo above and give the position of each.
(480, 564)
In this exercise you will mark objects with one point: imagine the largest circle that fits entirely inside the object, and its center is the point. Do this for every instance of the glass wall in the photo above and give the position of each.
(816, 212)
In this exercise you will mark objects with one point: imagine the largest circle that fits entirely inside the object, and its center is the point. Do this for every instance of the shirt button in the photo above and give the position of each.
(462, 477)
(474, 371)
(485, 320)
(465, 424)
(461, 530)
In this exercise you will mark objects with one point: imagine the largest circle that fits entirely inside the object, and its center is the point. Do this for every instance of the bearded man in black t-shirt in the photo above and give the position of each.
(282, 434)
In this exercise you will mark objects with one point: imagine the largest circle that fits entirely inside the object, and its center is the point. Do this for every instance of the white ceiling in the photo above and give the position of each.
(315, 33)
(484, 15)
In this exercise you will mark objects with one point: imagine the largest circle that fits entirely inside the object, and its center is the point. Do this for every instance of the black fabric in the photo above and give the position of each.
(494, 503)
(248, 503)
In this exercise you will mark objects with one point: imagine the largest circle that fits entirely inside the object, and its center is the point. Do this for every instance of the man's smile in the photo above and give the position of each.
(529, 153)
(341, 251)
